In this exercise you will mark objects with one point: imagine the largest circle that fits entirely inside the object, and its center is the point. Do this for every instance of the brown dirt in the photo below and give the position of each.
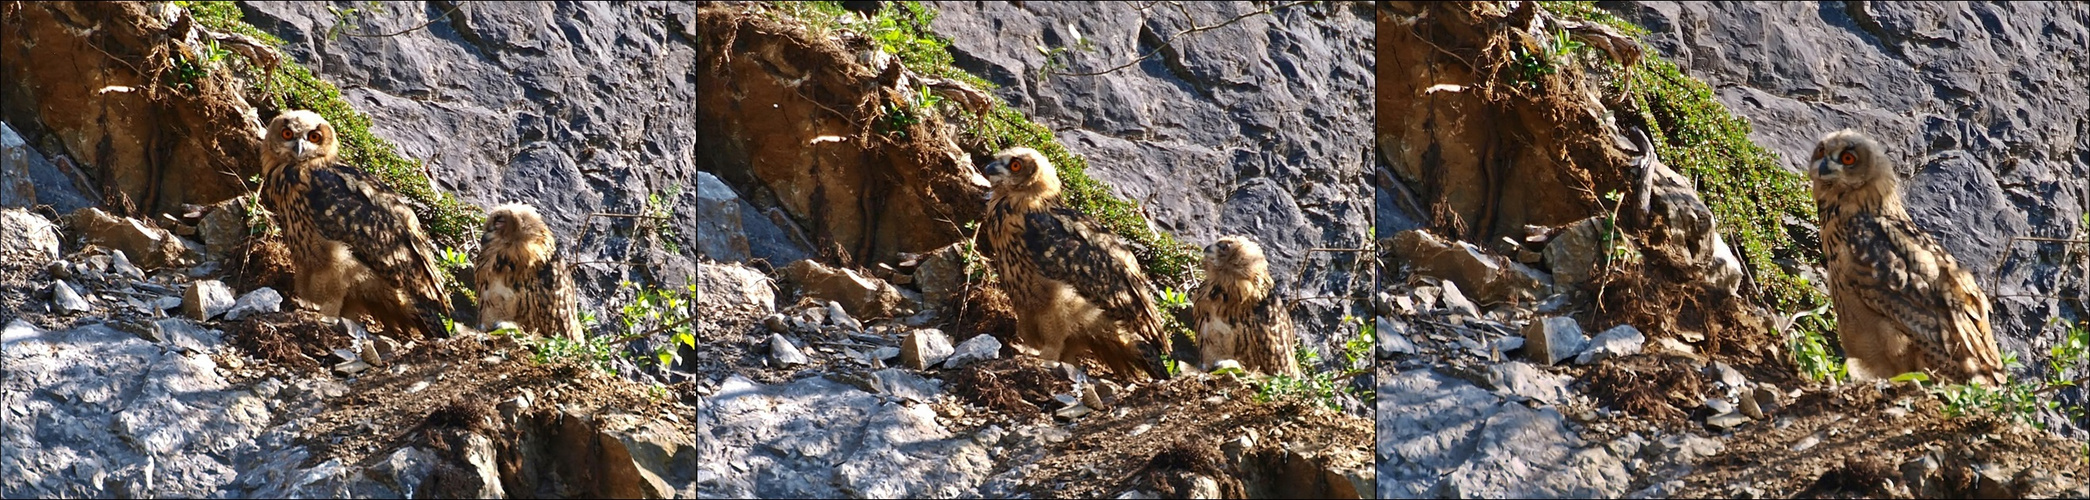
(1106, 455)
(1170, 470)
(261, 261)
(1864, 435)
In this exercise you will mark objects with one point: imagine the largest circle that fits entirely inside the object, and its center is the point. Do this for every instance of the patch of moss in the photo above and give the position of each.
(1749, 193)
(449, 221)
(902, 29)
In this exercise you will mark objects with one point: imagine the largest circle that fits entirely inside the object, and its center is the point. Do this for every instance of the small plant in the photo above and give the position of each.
(1358, 350)
(260, 221)
(1810, 351)
(660, 218)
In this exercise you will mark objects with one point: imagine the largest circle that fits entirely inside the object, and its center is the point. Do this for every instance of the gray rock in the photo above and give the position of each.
(785, 354)
(816, 437)
(1444, 437)
(978, 348)
(121, 265)
(32, 179)
(867, 295)
(1553, 339)
(66, 301)
(734, 287)
(206, 299)
(1619, 341)
(1726, 375)
(840, 317)
(885, 353)
(1393, 338)
(719, 234)
(776, 323)
(260, 301)
(27, 236)
(925, 348)
(1456, 301)
(1523, 380)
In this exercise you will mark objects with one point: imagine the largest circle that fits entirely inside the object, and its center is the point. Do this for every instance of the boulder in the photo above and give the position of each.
(1553, 339)
(925, 348)
(868, 296)
(25, 235)
(261, 300)
(206, 299)
(1493, 279)
(980, 347)
(223, 228)
(1619, 341)
(719, 234)
(64, 300)
(146, 244)
(785, 354)
(735, 288)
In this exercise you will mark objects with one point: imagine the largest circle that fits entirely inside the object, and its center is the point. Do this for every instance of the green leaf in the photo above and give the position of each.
(1905, 377)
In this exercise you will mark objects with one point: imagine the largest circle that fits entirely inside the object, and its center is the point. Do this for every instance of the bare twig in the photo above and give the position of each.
(446, 15)
(1193, 29)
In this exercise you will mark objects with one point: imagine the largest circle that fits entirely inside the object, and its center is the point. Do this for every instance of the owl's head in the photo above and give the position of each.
(1234, 257)
(297, 136)
(515, 222)
(1846, 160)
(1022, 170)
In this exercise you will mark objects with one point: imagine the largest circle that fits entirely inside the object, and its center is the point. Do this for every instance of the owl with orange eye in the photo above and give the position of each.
(1903, 304)
(358, 248)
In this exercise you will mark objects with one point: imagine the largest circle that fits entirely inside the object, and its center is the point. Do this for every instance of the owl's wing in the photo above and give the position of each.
(1068, 247)
(1913, 282)
(355, 208)
(559, 295)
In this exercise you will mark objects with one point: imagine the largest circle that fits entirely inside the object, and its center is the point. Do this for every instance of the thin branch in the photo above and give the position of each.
(1172, 39)
(446, 15)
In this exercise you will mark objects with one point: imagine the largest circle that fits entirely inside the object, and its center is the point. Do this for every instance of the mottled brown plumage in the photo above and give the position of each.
(1238, 314)
(521, 276)
(1902, 303)
(1076, 289)
(356, 245)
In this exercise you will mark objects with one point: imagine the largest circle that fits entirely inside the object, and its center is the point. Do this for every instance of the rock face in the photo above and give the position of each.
(1254, 128)
(1981, 118)
(27, 236)
(572, 108)
(820, 438)
(1442, 437)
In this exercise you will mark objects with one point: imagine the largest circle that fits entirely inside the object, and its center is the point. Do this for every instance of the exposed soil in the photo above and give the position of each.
(297, 339)
(1013, 387)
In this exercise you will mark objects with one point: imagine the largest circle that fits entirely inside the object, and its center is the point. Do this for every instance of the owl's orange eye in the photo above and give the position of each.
(1016, 166)
(288, 135)
(1847, 158)
(314, 136)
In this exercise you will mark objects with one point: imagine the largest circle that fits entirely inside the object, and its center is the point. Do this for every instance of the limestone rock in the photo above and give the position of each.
(980, 347)
(1492, 278)
(1619, 341)
(206, 299)
(261, 300)
(784, 352)
(735, 287)
(66, 301)
(870, 297)
(719, 234)
(223, 228)
(925, 348)
(147, 245)
(1553, 339)
(1455, 301)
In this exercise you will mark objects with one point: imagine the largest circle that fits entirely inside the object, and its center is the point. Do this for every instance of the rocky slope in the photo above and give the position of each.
(1516, 362)
(1978, 103)
(148, 350)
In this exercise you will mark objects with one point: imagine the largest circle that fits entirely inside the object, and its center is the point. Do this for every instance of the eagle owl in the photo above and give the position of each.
(522, 278)
(1076, 289)
(356, 245)
(1238, 315)
(1902, 303)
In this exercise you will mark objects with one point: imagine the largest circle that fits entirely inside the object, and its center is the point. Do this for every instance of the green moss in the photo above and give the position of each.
(902, 29)
(448, 220)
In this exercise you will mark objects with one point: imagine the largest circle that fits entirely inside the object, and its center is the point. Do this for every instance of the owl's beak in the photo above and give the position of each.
(996, 171)
(1824, 168)
(299, 148)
